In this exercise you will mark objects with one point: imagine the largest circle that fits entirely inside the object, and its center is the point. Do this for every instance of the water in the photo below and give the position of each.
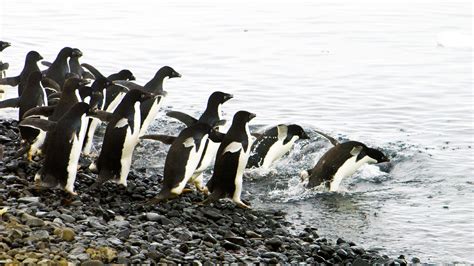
(395, 75)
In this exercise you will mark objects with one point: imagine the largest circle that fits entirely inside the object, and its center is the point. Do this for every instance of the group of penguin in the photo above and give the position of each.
(59, 113)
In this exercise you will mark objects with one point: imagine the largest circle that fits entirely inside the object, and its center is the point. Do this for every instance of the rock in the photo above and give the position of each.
(105, 254)
(115, 241)
(32, 221)
(28, 199)
(67, 218)
(208, 237)
(68, 234)
(92, 263)
(360, 262)
(274, 243)
(236, 240)
(39, 235)
(29, 261)
(229, 245)
(151, 216)
(252, 234)
(415, 260)
(281, 257)
(213, 215)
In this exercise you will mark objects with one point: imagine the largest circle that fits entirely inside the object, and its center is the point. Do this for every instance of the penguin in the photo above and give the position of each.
(273, 144)
(114, 93)
(211, 117)
(97, 93)
(3, 67)
(74, 65)
(59, 68)
(30, 66)
(341, 161)
(182, 160)
(231, 159)
(150, 108)
(69, 97)
(64, 147)
(121, 137)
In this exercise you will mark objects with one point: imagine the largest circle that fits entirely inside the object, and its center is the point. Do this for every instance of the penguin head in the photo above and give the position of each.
(65, 52)
(126, 74)
(76, 52)
(297, 130)
(33, 56)
(243, 117)
(4, 45)
(74, 83)
(376, 155)
(101, 83)
(219, 97)
(169, 72)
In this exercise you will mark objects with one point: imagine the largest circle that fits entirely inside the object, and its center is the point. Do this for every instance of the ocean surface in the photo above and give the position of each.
(396, 75)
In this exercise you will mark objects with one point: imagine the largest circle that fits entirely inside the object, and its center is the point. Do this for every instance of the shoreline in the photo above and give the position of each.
(113, 224)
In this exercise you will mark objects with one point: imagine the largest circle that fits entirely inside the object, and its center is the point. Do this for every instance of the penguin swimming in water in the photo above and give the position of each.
(183, 158)
(150, 108)
(273, 144)
(63, 148)
(31, 65)
(231, 159)
(341, 161)
(121, 137)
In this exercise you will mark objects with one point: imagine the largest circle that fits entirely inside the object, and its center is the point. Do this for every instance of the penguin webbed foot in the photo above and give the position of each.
(243, 204)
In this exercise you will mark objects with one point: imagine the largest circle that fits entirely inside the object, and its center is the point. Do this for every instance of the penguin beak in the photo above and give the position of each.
(83, 82)
(304, 136)
(132, 78)
(40, 58)
(76, 52)
(175, 75)
(6, 44)
(228, 97)
(252, 116)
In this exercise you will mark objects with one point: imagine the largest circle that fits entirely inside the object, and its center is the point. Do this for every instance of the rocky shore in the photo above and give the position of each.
(113, 224)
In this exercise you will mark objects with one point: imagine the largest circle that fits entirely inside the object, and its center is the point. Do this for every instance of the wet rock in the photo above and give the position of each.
(92, 263)
(231, 246)
(212, 214)
(281, 257)
(29, 200)
(151, 216)
(236, 240)
(274, 244)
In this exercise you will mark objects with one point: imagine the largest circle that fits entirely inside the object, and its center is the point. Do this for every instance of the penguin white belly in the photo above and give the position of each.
(130, 141)
(347, 169)
(75, 152)
(243, 159)
(192, 163)
(115, 102)
(90, 135)
(276, 151)
(151, 115)
(35, 147)
(209, 155)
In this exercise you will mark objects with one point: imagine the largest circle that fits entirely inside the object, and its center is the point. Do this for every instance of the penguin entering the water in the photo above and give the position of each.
(183, 158)
(273, 144)
(231, 159)
(121, 137)
(341, 161)
(63, 147)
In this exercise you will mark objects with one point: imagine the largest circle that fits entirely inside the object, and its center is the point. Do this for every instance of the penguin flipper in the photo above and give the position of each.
(163, 138)
(216, 136)
(12, 81)
(93, 70)
(87, 75)
(13, 102)
(331, 139)
(54, 95)
(41, 110)
(102, 115)
(185, 118)
(257, 135)
(46, 63)
(50, 84)
(38, 123)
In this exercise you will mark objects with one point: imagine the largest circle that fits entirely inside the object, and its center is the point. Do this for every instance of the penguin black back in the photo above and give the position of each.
(342, 160)
(31, 65)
